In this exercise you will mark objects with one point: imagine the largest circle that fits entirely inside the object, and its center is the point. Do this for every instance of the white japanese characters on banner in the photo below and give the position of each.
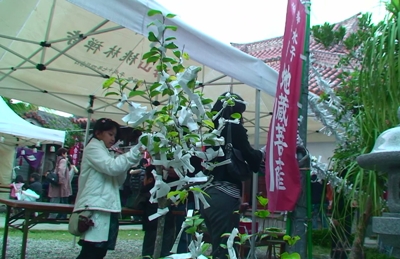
(282, 173)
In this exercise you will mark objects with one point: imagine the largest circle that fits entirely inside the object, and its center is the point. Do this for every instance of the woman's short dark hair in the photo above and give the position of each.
(143, 161)
(239, 107)
(35, 176)
(19, 179)
(105, 124)
(61, 151)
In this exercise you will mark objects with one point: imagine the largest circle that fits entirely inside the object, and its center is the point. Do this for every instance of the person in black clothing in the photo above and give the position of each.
(35, 184)
(225, 192)
(134, 181)
(150, 227)
(185, 239)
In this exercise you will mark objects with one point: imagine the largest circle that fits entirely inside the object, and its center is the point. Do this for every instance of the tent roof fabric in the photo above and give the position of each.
(17, 131)
(56, 54)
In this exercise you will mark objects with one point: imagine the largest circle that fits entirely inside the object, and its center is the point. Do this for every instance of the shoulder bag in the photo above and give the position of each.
(80, 222)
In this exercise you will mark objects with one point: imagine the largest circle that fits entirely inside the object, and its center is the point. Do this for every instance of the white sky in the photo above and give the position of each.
(241, 21)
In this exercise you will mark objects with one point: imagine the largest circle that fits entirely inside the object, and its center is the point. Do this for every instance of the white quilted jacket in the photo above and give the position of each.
(101, 176)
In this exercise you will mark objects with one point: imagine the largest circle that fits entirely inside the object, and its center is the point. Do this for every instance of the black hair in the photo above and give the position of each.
(19, 179)
(149, 170)
(239, 107)
(35, 176)
(61, 151)
(143, 161)
(105, 124)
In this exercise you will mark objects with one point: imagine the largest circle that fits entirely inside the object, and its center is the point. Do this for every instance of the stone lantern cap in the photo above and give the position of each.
(385, 156)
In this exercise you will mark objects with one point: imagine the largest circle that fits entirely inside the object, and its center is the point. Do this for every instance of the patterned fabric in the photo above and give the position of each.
(228, 188)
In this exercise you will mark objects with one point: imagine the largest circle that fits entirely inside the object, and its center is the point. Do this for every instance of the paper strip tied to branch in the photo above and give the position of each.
(160, 188)
(230, 242)
(183, 227)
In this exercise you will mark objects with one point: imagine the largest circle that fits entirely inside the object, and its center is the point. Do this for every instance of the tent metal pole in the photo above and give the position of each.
(72, 72)
(17, 54)
(18, 39)
(20, 64)
(89, 118)
(88, 34)
(255, 178)
(48, 30)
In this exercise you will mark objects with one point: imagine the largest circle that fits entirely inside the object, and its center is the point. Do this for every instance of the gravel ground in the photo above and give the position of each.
(49, 249)
(53, 249)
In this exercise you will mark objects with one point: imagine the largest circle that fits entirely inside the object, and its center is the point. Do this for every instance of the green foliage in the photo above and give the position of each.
(370, 97)
(374, 254)
(321, 237)
(327, 36)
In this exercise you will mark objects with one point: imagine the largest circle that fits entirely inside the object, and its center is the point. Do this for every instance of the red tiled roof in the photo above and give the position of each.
(324, 59)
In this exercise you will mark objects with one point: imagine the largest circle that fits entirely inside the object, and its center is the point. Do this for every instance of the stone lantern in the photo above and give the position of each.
(385, 157)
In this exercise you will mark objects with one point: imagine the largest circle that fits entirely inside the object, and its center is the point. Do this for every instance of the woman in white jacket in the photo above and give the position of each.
(98, 188)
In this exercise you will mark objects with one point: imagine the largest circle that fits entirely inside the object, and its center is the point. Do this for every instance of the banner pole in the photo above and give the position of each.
(303, 208)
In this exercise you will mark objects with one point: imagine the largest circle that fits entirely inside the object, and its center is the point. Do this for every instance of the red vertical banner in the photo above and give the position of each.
(74, 153)
(281, 168)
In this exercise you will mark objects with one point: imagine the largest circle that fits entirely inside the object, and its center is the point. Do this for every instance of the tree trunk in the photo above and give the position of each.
(357, 249)
(162, 203)
(160, 231)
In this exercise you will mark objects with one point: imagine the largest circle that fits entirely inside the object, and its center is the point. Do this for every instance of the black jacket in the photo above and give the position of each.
(36, 187)
(239, 141)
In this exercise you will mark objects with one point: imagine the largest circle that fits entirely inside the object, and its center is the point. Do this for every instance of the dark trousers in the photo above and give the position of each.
(150, 239)
(220, 218)
(89, 251)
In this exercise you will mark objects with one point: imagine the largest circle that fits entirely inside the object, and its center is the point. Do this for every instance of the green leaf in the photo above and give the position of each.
(171, 27)
(154, 93)
(111, 93)
(209, 114)
(172, 194)
(185, 56)
(167, 91)
(262, 213)
(144, 140)
(209, 142)
(153, 59)
(178, 68)
(154, 86)
(171, 45)
(208, 123)
(138, 84)
(177, 53)
(153, 12)
(109, 82)
(170, 60)
(170, 38)
(206, 101)
(205, 247)
(152, 37)
(170, 15)
(236, 115)
(172, 134)
(149, 54)
(286, 255)
(262, 200)
(136, 93)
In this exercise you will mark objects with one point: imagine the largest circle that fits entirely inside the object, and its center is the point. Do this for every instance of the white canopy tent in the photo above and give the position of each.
(57, 55)
(16, 131)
